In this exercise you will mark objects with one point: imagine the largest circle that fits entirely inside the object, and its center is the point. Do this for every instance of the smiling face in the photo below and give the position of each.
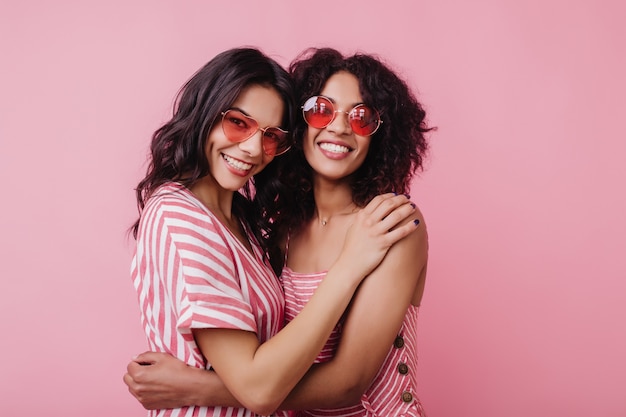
(232, 164)
(335, 152)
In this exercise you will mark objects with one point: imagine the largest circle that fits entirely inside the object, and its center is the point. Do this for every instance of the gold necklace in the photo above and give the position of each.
(325, 221)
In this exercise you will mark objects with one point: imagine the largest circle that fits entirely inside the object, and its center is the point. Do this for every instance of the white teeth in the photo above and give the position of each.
(331, 147)
(242, 166)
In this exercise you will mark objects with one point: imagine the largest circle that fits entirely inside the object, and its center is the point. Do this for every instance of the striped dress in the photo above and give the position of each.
(393, 390)
(191, 272)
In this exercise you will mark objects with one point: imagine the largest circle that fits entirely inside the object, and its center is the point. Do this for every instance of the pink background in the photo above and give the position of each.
(524, 196)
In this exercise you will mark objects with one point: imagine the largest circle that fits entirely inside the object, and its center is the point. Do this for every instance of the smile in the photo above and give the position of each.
(236, 163)
(334, 148)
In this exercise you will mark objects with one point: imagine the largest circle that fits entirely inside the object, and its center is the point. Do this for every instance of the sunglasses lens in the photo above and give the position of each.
(237, 126)
(275, 141)
(318, 112)
(364, 120)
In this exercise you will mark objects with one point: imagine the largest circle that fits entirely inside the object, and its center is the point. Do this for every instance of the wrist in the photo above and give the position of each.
(346, 272)
(199, 391)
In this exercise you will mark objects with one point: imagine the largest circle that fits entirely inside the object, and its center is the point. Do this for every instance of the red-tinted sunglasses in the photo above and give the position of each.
(238, 127)
(319, 112)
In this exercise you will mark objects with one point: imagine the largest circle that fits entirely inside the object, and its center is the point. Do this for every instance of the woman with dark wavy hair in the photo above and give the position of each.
(207, 293)
(362, 133)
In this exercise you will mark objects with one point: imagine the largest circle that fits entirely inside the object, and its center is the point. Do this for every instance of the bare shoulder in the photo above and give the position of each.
(420, 235)
(401, 274)
(411, 250)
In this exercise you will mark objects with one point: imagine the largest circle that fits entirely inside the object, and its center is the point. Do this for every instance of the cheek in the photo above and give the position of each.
(267, 159)
(364, 145)
(308, 151)
(364, 148)
(265, 162)
(309, 139)
(213, 137)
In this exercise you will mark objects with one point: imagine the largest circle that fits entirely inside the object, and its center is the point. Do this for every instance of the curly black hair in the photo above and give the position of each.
(396, 151)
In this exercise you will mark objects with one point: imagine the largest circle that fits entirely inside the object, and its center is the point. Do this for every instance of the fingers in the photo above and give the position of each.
(130, 382)
(148, 358)
(392, 215)
(133, 386)
(394, 212)
(389, 209)
(378, 200)
(135, 370)
(133, 367)
(402, 231)
(132, 379)
(382, 205)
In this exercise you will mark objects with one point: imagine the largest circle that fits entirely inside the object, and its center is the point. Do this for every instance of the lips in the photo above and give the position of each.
(334, 148)
(236, 163)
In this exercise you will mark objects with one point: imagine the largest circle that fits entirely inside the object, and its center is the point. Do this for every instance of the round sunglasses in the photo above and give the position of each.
(239, 127)
(319, 112)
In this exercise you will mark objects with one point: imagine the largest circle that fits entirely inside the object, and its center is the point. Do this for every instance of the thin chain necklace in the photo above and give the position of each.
(324, 221)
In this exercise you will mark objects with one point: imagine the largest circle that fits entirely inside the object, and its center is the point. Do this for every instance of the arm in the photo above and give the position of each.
(261, 376)
(159, 380)
(374, 319)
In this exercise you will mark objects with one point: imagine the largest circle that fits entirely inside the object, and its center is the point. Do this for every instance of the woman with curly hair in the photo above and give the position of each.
(362, 134)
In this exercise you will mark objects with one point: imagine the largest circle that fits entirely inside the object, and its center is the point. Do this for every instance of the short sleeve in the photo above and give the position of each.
(204, 263)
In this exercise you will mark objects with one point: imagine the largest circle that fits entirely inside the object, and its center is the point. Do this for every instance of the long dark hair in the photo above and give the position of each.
(396, 151)
(178, 147)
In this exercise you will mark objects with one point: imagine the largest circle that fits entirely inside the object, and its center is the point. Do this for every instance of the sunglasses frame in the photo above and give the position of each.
(378, 122)
(262, 129)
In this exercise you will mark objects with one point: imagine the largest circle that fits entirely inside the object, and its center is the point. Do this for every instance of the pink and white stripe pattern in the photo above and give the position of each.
(392, 392)
(191, 272)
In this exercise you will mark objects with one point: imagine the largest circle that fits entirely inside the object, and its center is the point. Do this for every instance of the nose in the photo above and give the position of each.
(340, 123)
(253, 146)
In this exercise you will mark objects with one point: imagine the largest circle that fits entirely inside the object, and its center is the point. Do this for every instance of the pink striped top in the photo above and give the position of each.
(191, 272)
(393, 390)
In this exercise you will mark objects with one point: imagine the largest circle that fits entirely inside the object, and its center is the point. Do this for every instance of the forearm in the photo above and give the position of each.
(207, 389)
(342, 381)
(323, 387)
(261, 376)
(284, 359)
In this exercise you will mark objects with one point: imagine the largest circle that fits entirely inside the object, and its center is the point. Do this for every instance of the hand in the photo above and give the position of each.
(159, 380)
(383, 222)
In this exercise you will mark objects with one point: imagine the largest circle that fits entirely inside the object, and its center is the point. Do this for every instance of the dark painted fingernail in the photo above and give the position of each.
(407, 196)
(413, 205)
(416, 222)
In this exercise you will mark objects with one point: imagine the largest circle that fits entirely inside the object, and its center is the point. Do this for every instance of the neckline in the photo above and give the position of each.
(292, 272)
(251, 239)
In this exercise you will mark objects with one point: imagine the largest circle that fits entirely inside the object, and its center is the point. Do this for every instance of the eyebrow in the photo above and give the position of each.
(245, 113)
(332, 100)
(242, 111)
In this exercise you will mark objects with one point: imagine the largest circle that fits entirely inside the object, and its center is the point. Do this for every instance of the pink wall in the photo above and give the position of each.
(526, 301)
